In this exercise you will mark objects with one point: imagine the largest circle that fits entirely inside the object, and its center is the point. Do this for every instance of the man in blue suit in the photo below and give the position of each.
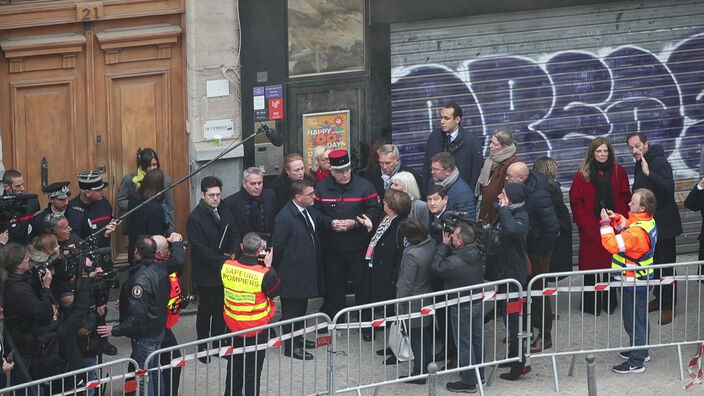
(462, 145)
(298, 261)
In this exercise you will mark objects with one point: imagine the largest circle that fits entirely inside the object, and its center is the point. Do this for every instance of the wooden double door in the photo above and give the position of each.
(85, 85)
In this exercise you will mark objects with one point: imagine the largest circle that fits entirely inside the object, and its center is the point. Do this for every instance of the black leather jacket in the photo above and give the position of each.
(143, 300)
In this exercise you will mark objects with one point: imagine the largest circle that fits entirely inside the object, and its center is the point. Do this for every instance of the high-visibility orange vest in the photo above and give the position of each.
(245, 306)
(173, 309)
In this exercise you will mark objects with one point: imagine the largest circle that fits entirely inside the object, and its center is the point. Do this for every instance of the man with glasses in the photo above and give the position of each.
(341, 199)
(389, 165)
(213, 236)
(297, 261)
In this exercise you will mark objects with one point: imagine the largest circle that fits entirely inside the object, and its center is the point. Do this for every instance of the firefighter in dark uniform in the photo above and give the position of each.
(249, 291)
(94, 206)
(341, 199)
(143, 299)
(58, 194)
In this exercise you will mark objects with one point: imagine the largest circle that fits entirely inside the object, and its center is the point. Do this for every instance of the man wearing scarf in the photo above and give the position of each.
(389, 165)
(253, 207)
(445, 173)
(461, 144)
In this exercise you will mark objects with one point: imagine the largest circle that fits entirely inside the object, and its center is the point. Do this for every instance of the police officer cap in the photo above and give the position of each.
(57, 190)
(91, 180)
(339, 160)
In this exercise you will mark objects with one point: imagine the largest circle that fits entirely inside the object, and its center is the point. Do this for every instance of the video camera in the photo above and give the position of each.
(486, 236)
(12, 207)
(74, 264)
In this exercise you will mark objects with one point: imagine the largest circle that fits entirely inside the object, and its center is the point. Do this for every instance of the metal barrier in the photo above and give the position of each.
(577, 332)
(111, 378)
(201, 367)
(358, 365)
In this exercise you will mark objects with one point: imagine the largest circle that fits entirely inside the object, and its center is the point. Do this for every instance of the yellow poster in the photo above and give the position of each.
(331, 129)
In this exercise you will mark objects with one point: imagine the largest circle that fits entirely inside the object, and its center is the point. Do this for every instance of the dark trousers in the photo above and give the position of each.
(420, 344)
(244, 370)
(594, 301)
(541, 312)
(337, 264)
(665, 252)
(171, 376)
(511, 323)
(292, 308)
(209, 320)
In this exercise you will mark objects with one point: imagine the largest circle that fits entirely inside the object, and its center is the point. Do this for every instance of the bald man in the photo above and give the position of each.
(544, 228)
(170, 253)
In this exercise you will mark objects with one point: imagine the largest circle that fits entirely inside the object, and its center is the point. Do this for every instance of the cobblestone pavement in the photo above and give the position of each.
(358, 360)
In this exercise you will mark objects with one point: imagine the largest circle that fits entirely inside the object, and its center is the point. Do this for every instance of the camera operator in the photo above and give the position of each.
(143, 299)
(459, 263)
(25, 308)
(170, 253)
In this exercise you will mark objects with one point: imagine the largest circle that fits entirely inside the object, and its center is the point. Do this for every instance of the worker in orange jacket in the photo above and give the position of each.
(632, 243)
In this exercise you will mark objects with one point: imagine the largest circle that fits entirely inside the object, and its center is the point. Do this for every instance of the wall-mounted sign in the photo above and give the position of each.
(331, 129)
(218, 129)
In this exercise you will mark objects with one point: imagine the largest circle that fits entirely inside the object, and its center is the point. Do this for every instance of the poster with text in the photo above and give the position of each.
(331, 129)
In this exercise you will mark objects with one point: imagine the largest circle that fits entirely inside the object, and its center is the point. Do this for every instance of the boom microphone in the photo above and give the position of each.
(273, 135)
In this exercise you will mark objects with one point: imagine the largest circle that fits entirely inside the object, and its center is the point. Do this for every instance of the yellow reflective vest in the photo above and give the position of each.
(246, 306)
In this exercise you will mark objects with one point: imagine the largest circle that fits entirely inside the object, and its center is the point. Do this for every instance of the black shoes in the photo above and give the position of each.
(309, 344)
(390, 360)
(367, 334)
(109, 349)
(384, 352)
(515, 373)
(419, 381)
(297, 353)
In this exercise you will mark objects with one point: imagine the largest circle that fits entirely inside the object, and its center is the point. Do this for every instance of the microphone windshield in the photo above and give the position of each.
(273, 135)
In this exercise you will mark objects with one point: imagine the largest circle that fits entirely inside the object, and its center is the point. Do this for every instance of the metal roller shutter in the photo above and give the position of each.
(557, 78)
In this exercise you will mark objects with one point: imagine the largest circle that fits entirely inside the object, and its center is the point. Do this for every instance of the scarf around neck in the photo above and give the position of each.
(600, 177)
(450, 179)
(491, 162)
(137, 179)
(380, 230)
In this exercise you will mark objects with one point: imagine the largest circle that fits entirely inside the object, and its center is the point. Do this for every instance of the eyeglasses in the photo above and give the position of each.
(310, 194)
(433, 170)
(324, 160)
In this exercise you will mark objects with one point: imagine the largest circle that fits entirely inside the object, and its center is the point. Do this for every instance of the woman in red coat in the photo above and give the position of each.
(599, 183)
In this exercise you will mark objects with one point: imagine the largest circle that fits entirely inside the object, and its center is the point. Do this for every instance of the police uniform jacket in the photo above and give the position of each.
(205, 232)
(337, 201)
(98, 214)
(143, 300)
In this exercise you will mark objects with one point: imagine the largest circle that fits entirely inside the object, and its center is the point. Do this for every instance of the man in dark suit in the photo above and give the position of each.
(297, 260)
(20, 231)
(213, 238)
(451, 138)
(253, 207)
(389, 165)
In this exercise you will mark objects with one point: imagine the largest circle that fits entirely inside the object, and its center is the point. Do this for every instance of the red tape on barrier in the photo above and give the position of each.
(515, 306)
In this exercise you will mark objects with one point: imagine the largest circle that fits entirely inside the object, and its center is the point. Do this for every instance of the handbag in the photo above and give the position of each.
(399, 341)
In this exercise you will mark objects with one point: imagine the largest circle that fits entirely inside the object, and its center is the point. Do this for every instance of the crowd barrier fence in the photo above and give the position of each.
(578, 331)
(111, 379)
(357, 367)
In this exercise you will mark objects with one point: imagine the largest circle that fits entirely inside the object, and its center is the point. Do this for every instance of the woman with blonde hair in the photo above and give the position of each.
(599, 183)
(321, 163)
(406, 182)
(502, 153)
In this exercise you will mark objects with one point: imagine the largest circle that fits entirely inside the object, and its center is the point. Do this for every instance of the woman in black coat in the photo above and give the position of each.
(294, 169)
(385, 249)
(151, 218)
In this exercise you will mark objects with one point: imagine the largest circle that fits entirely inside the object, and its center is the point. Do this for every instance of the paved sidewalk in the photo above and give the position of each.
(662, 375)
